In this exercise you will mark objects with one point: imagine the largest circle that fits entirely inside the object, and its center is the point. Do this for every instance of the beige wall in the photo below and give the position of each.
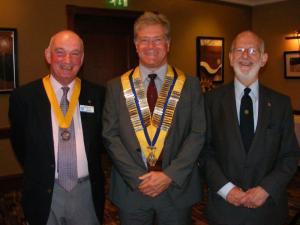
(274, 22)
(37, 20)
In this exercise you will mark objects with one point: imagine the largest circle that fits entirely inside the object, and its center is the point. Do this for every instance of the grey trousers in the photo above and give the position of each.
(73, 208)
(159, 211)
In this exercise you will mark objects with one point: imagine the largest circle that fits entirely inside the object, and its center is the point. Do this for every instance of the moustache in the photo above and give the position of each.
(245, 62)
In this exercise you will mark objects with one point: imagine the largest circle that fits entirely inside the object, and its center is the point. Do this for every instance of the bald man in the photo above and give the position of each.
(251, 145)
(56, 136)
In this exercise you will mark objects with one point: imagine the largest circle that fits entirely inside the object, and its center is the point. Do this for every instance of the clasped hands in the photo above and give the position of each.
(154, 183)
(252, 198)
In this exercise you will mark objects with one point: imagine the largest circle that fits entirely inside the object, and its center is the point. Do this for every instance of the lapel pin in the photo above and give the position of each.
(89, 102)
(269, 104)
(246, 111)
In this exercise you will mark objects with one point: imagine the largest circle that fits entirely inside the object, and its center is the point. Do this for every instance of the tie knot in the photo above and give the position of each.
(247, 91)
(65, 90)
(152, 76)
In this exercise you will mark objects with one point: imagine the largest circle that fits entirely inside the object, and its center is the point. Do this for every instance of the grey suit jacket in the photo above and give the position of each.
(270, 162)
(181, 150)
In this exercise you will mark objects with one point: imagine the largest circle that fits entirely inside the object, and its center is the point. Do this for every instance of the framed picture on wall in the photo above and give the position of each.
(292, 64)
(210, 59)
(8, 59)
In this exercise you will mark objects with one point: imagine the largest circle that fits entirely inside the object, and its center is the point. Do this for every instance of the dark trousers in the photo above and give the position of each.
(158, 210)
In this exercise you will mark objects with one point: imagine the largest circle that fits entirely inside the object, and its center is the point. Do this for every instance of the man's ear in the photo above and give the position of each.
(230, 58)
(264, 59)
(48, 55)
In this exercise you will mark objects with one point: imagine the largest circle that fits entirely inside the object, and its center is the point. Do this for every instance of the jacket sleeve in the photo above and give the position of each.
(285, 165)
(16, 113)
(182, 166)
(214, 173)
(121, 158)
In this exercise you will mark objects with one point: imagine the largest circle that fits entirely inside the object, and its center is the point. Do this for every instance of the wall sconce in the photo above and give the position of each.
(296, 35)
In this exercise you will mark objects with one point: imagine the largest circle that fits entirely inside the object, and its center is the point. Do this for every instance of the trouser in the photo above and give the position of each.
(73, 208)
(159, 210)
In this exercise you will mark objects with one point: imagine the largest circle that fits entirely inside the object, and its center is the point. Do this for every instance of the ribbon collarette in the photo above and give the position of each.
(63, 121)
(151, 131)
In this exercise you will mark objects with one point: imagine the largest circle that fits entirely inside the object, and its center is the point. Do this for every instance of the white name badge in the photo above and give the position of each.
(86, 108)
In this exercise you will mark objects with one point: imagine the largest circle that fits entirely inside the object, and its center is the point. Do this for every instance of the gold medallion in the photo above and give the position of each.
(151, 157)
(65, 135)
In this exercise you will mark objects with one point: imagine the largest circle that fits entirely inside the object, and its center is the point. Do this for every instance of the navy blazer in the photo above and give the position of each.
(32, 141)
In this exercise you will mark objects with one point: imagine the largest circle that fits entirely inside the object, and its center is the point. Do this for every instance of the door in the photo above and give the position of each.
(108, 41)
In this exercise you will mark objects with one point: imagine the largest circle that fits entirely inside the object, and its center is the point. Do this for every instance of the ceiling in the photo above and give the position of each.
(252, 2)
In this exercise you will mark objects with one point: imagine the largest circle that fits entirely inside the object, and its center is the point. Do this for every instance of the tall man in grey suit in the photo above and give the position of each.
(60, 154)
(250, 162)
(154, 147)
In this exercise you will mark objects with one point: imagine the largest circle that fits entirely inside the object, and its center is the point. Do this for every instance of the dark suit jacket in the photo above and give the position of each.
(183, 144)
(270, 162)
(32, 140)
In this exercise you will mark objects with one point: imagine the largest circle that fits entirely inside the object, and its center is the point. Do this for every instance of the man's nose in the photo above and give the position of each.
(67, 58)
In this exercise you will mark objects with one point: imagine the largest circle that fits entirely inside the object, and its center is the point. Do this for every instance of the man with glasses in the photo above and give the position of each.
(251, 145)
(154, 125)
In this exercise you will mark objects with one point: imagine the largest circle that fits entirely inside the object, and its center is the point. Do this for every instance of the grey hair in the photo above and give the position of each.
(151, 18)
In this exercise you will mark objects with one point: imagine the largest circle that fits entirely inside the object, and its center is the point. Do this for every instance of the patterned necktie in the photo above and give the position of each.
(151, 98)
(246, 119)
(152, 92)
(67, 160)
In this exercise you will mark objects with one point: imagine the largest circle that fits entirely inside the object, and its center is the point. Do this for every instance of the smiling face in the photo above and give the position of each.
(65, 56)
(152, 46)
(247, 57)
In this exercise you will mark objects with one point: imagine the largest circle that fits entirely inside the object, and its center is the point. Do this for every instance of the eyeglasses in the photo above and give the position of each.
(250, 51)
(155, 41)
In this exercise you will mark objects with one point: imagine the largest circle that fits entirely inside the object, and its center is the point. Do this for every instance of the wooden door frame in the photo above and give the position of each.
(73, 11)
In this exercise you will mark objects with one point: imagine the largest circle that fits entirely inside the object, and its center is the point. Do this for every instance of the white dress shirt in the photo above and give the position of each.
(239, 92)
(82, 165)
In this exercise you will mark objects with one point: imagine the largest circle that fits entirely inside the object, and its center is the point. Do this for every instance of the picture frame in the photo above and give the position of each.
(8, 60)
(210, 59)
(292, 64)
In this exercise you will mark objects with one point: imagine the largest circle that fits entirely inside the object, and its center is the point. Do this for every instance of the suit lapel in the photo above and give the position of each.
(44, 117)
(264, 110)
(83, 100)
(231, 118)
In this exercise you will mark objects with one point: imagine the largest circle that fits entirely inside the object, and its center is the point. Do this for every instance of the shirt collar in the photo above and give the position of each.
(57, 86)
(239, 90)
(161, 72)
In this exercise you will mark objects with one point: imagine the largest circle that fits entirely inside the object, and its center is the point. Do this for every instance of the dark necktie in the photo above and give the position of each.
(151, 98)
(152, 92)
(246, 119)
(67, 160)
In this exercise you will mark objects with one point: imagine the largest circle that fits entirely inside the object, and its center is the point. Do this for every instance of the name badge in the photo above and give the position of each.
(86, 108)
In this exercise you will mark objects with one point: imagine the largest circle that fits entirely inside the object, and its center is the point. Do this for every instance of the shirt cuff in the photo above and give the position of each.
(223, 192)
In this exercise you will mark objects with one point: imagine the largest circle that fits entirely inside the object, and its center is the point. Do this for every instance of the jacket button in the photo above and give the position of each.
(49, 190)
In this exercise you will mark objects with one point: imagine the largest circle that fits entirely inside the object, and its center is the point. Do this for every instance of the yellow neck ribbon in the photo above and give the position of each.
(63, 121)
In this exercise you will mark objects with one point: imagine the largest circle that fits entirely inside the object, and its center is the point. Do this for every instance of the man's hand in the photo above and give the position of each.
(154, 183)
(235, 195)
(255, 197)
